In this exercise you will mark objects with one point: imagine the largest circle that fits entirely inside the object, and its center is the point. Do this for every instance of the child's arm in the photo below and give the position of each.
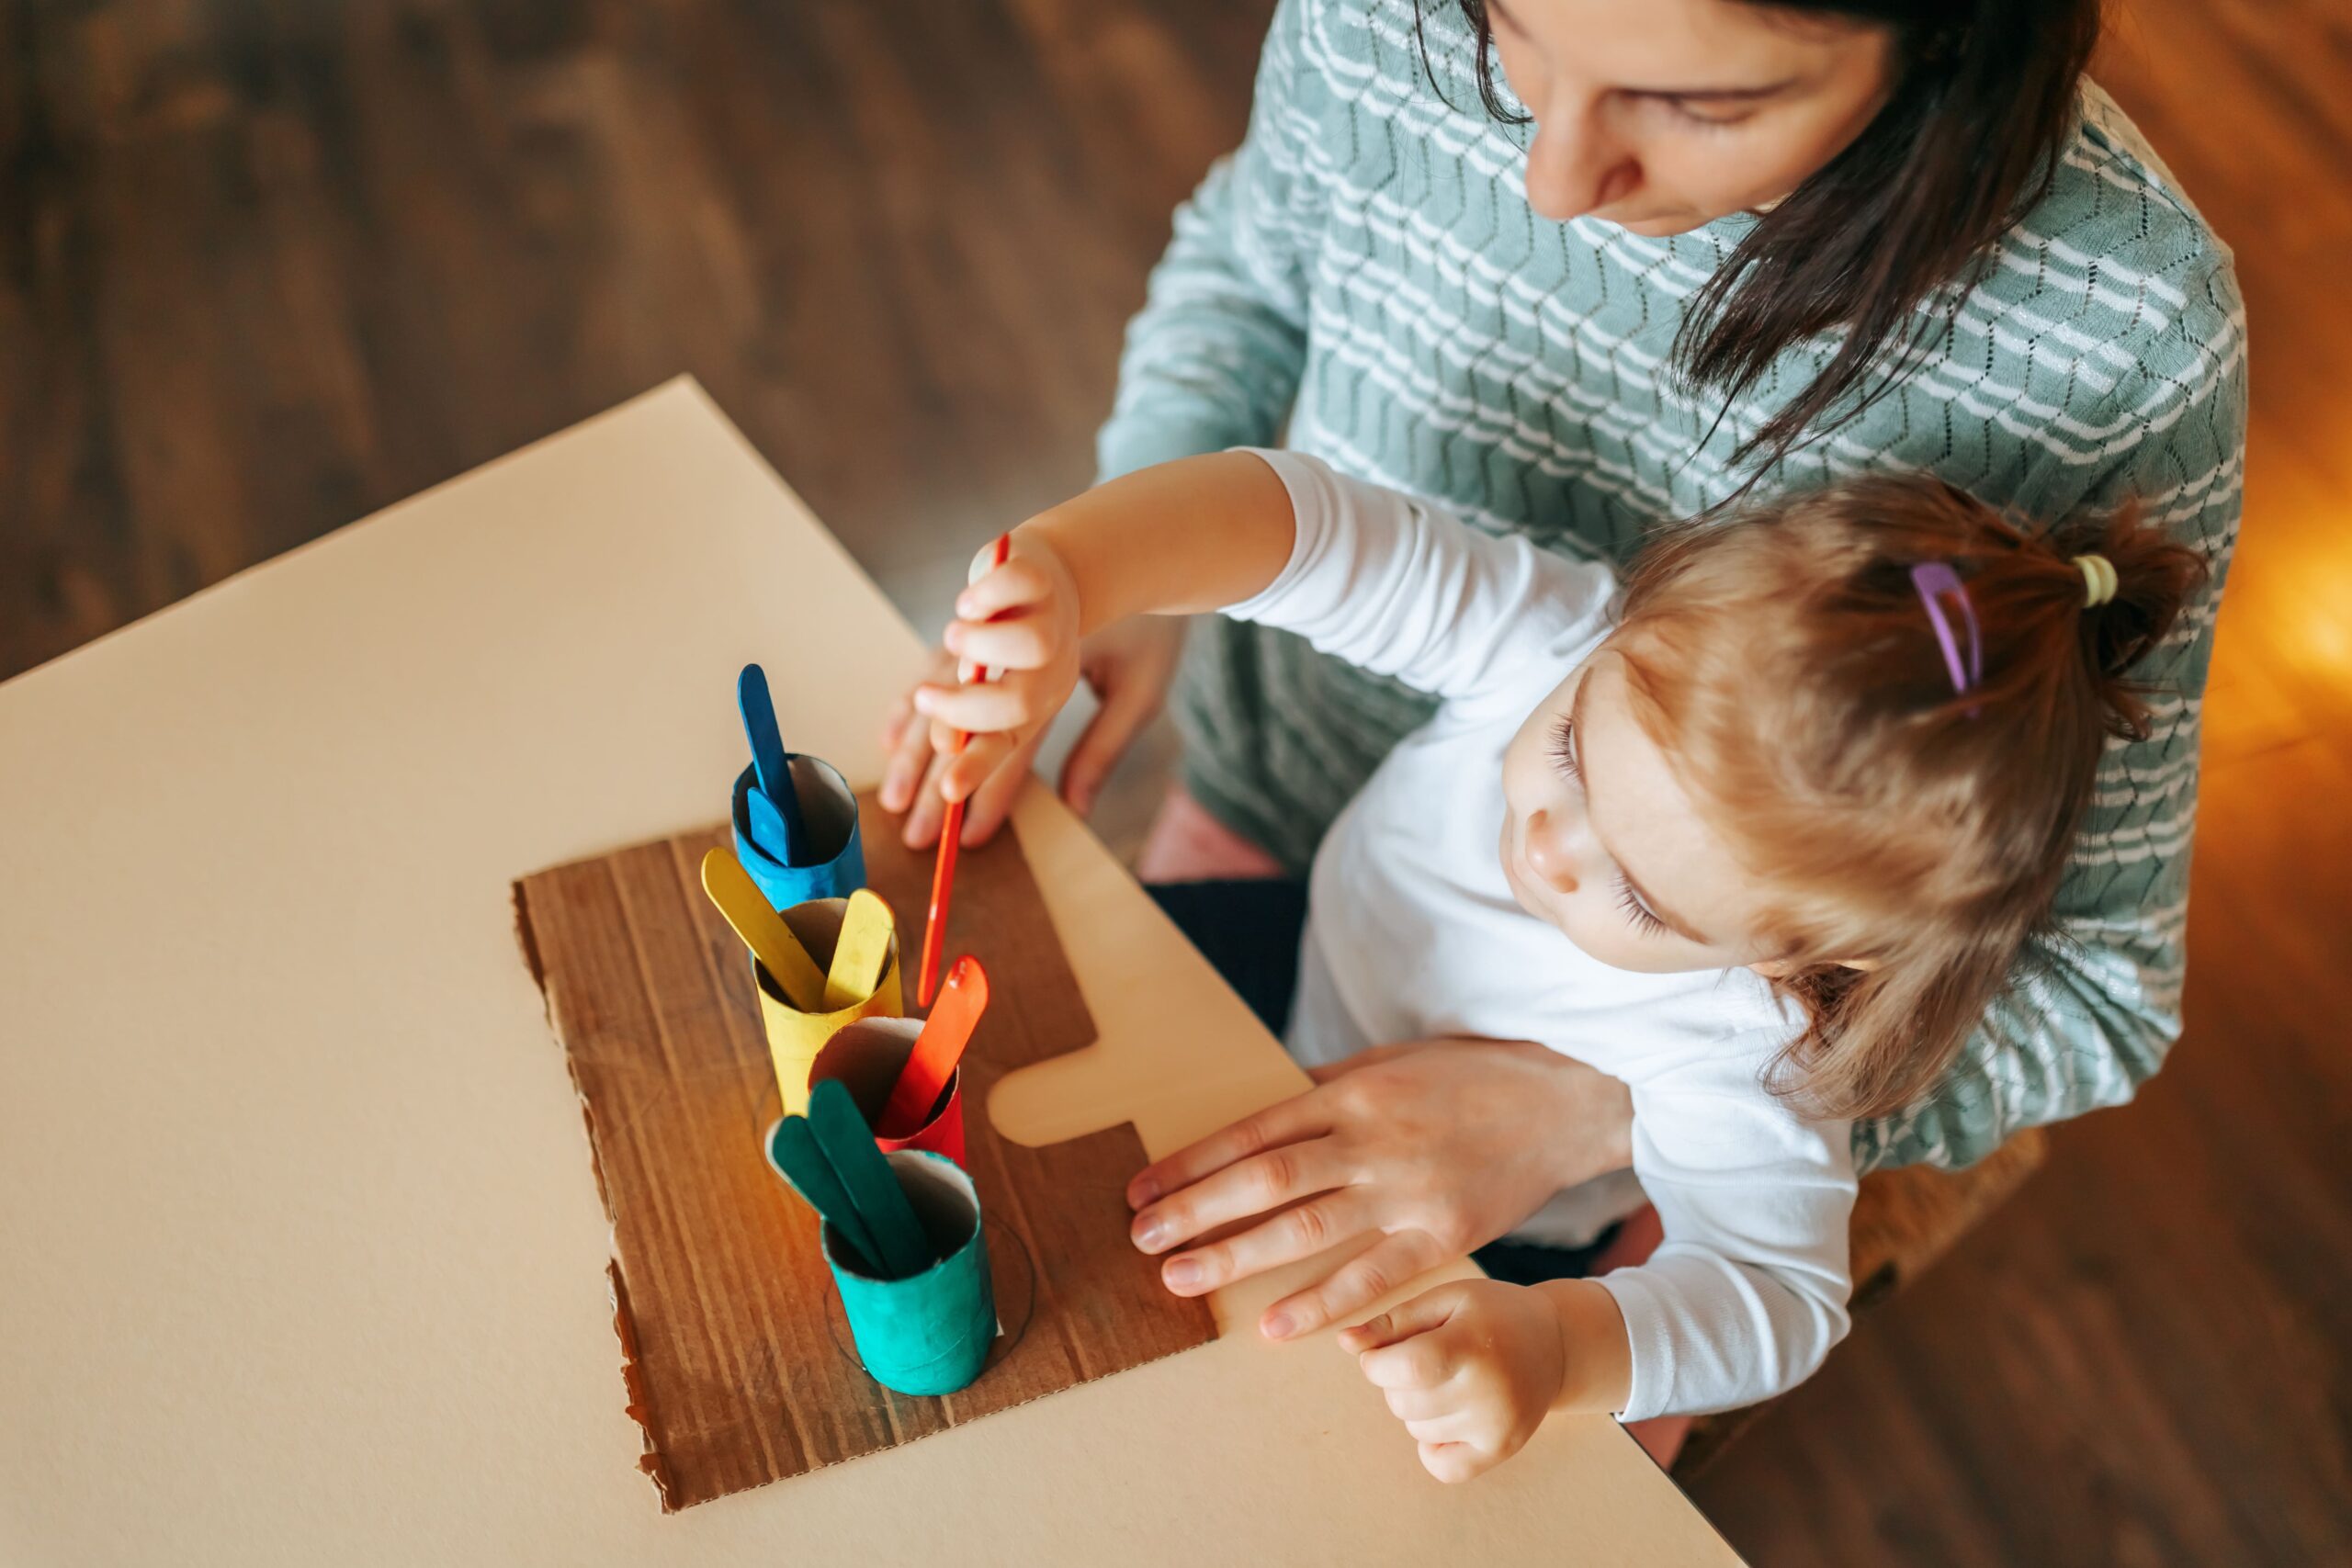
(1740, 1302)
(1176, 538)
(1380, 579)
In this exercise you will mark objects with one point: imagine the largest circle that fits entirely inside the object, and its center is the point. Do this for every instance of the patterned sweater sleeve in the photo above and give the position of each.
(1214, 358)
(2094, 1008)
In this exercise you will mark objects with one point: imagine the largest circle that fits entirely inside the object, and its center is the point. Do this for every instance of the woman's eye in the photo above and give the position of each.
(1637, 911)
(1689, 116)
(1563, 748)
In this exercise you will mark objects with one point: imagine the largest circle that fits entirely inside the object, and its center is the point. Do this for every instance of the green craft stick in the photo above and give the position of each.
(812, 1175)
(901, 1245)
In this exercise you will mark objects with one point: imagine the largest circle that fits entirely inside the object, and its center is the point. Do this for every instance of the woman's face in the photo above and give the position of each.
(1660, 116)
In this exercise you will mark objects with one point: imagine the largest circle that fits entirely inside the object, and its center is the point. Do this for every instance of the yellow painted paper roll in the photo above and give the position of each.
(794, 1037)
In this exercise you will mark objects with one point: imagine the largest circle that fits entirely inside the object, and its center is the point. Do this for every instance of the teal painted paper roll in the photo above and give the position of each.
(836, 865)
(930, 1332)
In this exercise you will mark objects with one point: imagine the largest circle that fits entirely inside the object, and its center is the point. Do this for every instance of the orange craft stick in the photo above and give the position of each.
(937, 1049)
(942, 875)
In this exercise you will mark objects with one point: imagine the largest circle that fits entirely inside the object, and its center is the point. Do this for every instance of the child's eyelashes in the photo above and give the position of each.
(1563, 748)
(1635, 910)
(1564, 752)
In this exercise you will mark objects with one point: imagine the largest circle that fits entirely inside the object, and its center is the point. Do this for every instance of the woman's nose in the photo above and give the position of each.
(1547, 853)
(1573, 167)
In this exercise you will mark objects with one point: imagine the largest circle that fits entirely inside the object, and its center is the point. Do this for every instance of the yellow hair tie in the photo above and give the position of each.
(2098, 580)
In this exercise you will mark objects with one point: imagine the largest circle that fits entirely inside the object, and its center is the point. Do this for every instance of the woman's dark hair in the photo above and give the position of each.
(1968, 140)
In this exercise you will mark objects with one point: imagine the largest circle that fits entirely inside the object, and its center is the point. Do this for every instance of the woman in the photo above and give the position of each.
(1574, 266)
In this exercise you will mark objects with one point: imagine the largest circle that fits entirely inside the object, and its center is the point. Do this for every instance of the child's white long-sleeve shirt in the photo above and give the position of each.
(1413, 933)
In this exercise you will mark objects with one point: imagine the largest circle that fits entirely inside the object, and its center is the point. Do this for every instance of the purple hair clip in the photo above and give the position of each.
(1935, 581)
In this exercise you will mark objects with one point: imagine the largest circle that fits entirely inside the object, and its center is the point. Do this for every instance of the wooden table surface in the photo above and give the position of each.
(301, 1256)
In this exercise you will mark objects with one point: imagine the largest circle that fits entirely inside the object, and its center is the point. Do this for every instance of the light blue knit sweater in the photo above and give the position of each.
(1366, 268)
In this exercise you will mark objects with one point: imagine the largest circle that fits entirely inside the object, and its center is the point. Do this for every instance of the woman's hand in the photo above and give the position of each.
(1435, 1147)
(1129, 665)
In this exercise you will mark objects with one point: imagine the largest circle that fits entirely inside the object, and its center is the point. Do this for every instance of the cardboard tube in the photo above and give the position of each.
(866, 1056)
(930, 1332)
(794, 1037)
(829, 808)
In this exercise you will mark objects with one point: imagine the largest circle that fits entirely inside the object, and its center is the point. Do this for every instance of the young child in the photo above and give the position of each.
(1762, 839)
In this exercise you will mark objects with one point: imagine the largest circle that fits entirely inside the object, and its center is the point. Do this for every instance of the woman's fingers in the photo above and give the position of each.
(1301, 1116)
(1127, 706)
(990, 804)
(929, 808)
(1298, 1232)
(906, 740)
(1397, 1259)
(1255, 1186)
(966, 771)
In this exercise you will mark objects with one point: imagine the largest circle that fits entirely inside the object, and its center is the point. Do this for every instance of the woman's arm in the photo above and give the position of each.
(2093, 1014)
(1213, 359)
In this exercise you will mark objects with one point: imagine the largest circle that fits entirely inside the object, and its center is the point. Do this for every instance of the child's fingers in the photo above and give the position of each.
(1453, 1426)
(1009, 587)
(1362, 1279)
(1430, 1309)
(981, 709)
(1020, 642)
(1420, 1404)
(1426, 1360)
(1452, 1462)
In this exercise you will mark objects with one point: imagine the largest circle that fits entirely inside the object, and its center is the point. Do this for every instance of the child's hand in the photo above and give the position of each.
(1020, 623)
(1471, 1368)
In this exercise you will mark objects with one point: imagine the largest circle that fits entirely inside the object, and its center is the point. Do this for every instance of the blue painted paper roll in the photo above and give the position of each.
(836, 865)
(930, 1332)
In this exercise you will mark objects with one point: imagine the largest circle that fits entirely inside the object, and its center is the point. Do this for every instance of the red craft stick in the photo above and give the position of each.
(937, 1049)
(942, 875)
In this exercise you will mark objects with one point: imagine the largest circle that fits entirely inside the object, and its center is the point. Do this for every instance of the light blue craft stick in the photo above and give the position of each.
(811, 1174)
(901, 1245)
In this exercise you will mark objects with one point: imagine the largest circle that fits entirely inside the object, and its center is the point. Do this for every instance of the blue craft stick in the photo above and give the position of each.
(901, 1245)
(768, 758)
(769, 830)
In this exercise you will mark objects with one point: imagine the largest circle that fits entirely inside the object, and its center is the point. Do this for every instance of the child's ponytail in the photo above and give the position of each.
(2135, 581)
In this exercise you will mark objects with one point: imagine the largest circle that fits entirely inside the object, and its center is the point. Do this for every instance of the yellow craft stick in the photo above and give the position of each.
(763, 930)
(858, 957)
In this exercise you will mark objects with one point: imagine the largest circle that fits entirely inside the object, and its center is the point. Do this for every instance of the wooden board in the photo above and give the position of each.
(738, 1361)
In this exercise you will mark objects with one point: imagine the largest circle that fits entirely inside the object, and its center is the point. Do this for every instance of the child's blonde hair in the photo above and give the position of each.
(1785, 659)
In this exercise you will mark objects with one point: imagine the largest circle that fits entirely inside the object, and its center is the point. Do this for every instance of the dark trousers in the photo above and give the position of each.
(1250, 932)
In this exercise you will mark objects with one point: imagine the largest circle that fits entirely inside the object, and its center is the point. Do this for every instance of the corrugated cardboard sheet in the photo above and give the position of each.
(738, 1363)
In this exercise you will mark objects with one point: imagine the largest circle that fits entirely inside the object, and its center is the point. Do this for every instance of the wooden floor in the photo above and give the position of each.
(268, 265)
